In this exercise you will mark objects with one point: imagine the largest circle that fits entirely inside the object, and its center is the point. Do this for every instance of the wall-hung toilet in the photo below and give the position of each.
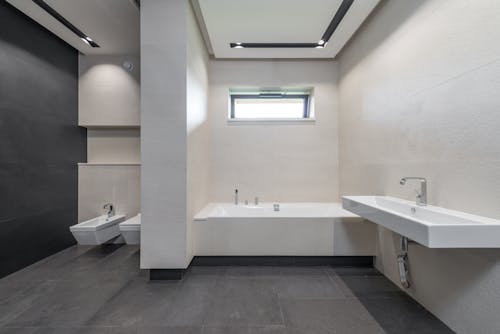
(97, 231)
(131, 230)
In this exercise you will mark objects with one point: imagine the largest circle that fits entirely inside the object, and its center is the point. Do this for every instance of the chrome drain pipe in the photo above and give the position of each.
(404, 275)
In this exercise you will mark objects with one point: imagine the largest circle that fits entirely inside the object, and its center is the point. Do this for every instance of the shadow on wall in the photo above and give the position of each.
(472, 280)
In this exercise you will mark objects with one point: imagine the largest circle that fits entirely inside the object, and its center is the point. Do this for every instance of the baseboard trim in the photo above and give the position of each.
(335, 261)
(166, 274)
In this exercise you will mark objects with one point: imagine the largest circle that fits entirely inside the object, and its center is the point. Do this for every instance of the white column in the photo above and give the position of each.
(163, 134)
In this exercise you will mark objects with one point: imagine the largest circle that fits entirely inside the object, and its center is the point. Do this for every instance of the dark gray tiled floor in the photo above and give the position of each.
(101, 290)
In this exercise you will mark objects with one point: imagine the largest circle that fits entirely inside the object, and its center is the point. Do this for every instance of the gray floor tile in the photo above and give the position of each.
(138, 303)
(371, 286)
(19, 297)
(193, 300)
(245, 330)
(308, 287)
(401, 314)
(72, 330)
(244, 302)
(42, 269)
(206, 270)
(169, 330)
(253, 272)
(356, 271)
(122, 330)
(71, 303)
(22, 330)
(126, 258)
(307, 270)
(101, 290)
(328, 316)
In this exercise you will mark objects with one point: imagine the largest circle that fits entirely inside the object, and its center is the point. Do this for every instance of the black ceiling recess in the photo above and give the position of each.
(66, 23)
(337, 18)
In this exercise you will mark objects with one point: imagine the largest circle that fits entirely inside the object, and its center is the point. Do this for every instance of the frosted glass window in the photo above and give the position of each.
(263, 106)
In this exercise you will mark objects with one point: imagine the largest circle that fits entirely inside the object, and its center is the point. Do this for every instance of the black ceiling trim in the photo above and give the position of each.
(337, 18)
(274, 45)
(65, 22)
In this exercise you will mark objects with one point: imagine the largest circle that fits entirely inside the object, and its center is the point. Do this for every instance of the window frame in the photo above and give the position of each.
(306, 115)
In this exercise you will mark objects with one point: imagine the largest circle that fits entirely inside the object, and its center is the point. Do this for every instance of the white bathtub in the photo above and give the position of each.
(298, 229)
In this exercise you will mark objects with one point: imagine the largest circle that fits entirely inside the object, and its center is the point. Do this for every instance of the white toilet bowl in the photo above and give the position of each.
(131, 230)
(97, 231)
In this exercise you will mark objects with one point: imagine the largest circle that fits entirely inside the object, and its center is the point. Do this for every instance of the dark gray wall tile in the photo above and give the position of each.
(40, 142)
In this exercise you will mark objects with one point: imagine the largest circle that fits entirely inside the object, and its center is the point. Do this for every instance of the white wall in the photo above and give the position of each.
(419, 95)
(99, 184)
(108, 94)
(276, 162)
(108, 102)
(113, 146)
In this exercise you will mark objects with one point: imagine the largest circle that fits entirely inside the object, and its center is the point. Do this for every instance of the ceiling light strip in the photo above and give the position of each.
(339, 15)
(337, 18)
(66, 23)
(273, 45)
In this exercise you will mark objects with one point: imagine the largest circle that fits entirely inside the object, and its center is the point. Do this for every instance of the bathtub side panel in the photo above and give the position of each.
(264, 236)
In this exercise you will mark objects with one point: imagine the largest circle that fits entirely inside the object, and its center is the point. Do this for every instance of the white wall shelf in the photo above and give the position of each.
(109, 164)
(109, 126)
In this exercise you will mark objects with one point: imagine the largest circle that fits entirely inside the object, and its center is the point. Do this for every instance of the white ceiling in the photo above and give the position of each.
(278, 21)
(113, 24)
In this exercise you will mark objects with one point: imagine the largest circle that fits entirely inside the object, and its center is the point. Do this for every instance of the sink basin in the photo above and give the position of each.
(431, 226)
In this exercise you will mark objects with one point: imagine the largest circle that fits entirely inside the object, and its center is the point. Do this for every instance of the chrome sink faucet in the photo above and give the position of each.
(422, 195)
(110, 209)
(236, 197)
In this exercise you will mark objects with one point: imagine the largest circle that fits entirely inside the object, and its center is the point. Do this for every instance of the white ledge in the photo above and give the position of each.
(109, 164)
(109, 126)
(260, 121)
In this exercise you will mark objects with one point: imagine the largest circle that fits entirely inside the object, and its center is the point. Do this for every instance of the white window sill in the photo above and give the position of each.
(259, 121)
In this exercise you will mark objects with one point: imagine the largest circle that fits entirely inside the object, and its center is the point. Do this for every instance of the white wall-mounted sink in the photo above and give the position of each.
(430, 226)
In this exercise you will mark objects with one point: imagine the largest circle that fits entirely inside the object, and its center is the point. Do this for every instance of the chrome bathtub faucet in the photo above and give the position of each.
(110, 209)
(422, 195)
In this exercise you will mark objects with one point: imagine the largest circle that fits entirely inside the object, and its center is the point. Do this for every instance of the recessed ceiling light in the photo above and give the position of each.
(237, 45)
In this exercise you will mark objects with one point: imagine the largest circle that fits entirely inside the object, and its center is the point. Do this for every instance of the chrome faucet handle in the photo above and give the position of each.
(110, 209)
